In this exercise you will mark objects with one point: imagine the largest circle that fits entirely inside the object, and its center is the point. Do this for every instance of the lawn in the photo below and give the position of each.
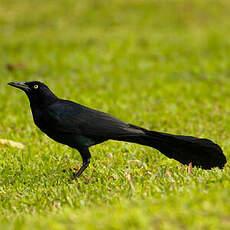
(163, 65)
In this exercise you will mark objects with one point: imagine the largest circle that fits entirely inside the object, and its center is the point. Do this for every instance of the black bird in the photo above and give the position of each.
(80, 127)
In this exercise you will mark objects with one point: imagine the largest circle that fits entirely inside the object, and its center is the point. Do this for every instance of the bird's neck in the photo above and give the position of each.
(42, 101)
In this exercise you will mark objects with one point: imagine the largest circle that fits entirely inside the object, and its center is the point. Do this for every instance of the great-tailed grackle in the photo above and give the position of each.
(80, 127)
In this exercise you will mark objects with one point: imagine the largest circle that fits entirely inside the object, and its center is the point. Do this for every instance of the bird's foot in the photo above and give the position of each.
(81, 170)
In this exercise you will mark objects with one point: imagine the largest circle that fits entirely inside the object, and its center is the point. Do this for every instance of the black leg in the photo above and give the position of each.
(85, 154)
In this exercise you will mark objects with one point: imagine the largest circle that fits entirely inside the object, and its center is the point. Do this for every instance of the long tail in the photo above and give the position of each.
(186, 149)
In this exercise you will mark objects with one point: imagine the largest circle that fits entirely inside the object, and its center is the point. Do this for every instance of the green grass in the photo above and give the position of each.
(163, 65)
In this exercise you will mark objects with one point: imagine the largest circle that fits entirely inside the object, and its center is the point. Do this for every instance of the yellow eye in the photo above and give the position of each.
(35, 86)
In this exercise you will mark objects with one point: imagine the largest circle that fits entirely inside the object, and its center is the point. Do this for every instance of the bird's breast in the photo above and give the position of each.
(71, 139)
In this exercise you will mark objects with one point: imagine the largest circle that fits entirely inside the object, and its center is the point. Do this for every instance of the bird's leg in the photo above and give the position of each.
(81, 170)
(85, 154)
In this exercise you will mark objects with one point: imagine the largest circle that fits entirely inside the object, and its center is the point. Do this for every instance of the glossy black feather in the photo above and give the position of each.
(69, 117)
(81, 127)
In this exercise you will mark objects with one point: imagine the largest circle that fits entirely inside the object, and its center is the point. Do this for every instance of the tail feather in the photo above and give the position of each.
(186, 149)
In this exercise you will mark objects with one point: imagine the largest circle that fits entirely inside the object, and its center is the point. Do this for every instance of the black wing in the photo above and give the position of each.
(69, 117)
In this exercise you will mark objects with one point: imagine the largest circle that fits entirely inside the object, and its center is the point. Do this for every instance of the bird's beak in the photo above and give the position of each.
(20, 85)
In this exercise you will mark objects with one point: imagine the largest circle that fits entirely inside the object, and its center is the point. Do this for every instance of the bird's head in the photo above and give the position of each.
(37, 92)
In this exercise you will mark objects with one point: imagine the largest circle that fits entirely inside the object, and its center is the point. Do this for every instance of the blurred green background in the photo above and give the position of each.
(163, 65)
